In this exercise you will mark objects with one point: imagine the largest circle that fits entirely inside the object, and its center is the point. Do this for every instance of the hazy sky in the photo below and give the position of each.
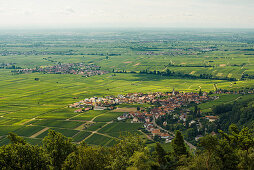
(126, 13)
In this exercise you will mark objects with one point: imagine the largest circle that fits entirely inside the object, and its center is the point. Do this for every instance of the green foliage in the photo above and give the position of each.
(178, 145)
(142, 160)
(124, 150)
(240, 113)
(15, 139)
(232, 150)
(58, 147)
(21, 155)
(88, 157)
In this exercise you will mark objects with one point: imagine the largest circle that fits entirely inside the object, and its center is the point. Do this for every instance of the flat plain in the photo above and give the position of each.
(28, 106)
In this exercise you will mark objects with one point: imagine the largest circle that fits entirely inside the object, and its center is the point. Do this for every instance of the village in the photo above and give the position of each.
(162, 104)
(70, 68)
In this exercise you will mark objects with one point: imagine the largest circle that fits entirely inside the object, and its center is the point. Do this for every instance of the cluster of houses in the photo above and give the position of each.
(173, 53)
(9, 66)
(44, 52)
(70, 68)
(179, 51)
(165, 103)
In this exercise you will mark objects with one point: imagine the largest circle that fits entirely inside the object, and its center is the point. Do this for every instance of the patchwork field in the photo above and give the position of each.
(31, 104)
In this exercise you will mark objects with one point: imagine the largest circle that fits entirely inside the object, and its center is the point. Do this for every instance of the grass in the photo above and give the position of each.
(121, 127)
(97, 139)
(124, 133)
(4, 130)
(34, 141)
(57, 123)
(106, 117)
(28, 130)
(81, 136)
(89, 115)
(7, 121)
(4, 141)
(224, 98)
(95, 126)
(65, 132)
(58, 114)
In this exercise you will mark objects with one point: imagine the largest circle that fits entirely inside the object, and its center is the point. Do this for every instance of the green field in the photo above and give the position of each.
(56, 123)
(96, 139)
(89, 115)
(106, 117)
(65, 132)
(120, 129)
(95, 126)
(81, 136)
(28, 106)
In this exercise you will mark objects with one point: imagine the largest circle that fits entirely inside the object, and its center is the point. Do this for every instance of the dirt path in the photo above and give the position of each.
(27, 121)
(92, 121)
(148, 137)
(75, 116)
(103, 134)
(38, 133)
(93, 132)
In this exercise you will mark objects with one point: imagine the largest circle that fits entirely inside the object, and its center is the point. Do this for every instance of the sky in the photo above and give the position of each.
(126, 13)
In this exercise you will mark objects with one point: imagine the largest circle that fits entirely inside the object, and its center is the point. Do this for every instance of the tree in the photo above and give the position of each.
(160, 152)
(178, 145)
(15, 139)
(208, 144)
(21, 155)
(227, 155)
(142, 160)
(125, 149)
(58, 147)
(168, 72)
(88, 157)
(200, 92)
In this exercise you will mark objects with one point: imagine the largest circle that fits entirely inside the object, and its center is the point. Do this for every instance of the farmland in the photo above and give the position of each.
(31, 102)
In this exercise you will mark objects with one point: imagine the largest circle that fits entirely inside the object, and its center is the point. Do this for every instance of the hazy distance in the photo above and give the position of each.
(21, 14)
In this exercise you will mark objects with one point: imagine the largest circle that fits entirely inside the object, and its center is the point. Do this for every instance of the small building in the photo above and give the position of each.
(100, 108)
(164, 135)
(192, 122)
(168, 140)
(156, 132)
(78, 111)
(135, 120)
(147, 119)
(211, 118)
(121, 118)
(86, 109)
(198, 137)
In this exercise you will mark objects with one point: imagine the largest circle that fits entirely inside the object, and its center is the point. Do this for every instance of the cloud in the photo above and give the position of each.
(70, 10)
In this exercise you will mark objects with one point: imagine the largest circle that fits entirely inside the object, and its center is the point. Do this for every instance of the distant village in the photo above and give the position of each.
(164, 103)
(179, 51)
(70, 68)
(9, 66)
